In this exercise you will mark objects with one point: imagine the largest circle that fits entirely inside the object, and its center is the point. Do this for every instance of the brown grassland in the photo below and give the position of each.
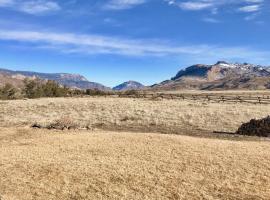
(124, 157)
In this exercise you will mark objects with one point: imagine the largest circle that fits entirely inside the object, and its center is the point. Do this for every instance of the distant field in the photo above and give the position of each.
(124, 157)
(141, 114)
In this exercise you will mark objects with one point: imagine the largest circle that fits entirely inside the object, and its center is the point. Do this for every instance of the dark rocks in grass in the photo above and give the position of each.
(36, 125)
(260, 127)
(64, 123)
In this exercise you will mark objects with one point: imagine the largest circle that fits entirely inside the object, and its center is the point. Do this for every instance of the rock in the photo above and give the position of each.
(36, 125)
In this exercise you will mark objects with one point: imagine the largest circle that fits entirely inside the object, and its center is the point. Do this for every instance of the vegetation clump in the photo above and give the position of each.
(36, 89)
(255, 127)
(131, 92)
(96, 92)
(63, 123)
(8, 92)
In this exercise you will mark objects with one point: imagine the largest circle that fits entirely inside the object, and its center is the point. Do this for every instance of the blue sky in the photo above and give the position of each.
(111, 41)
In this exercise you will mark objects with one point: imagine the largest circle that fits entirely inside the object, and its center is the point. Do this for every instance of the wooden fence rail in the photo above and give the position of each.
(260, 99)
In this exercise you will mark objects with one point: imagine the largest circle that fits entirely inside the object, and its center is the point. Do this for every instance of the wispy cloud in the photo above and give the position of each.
(98, 44)
(251, 8)
(217, 6)
(196, 5)
(210, 20)
(31, 7)
(122, 4)
(254, 1)
(69, 42)
(250, 17)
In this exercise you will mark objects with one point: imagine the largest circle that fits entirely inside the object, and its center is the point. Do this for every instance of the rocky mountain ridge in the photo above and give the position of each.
(69, 80)
(222, 75)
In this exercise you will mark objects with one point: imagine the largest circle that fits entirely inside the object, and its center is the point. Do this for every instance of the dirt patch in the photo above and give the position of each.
(176, 130)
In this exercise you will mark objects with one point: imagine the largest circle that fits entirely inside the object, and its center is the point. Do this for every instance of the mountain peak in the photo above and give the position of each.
(129, 85)
(222, 75)
(221, 62)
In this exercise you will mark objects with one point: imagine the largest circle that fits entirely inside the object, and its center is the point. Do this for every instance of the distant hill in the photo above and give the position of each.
(129, 85)
(70, 80)
(220, 76)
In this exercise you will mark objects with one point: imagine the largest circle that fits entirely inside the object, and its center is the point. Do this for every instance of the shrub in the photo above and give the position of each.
(53, 89)
(37, 89)
(255, 127)
(8, 92)
(63, 123)
(131, 92)
(76, 92)
(97, 92)
(32, 89)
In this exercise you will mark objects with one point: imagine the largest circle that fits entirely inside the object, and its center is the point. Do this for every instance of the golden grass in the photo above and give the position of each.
(42, 164)
(104, 164)
(123, 112)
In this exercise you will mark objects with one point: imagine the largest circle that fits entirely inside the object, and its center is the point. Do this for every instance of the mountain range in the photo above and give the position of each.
(220, 76)
(70, 80)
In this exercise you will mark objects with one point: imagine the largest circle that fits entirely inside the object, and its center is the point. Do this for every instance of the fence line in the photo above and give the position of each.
(259, 99)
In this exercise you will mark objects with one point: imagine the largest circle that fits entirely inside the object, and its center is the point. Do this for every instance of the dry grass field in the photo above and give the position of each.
(184, 116)
(122, 157)
(107, 165)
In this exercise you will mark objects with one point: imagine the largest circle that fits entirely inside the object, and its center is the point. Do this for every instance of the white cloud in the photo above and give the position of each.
(98, 44)
(195, 5)
(213, 5)
(122, 4)
(39, 7)
(87, 43)
(31, 7)
(250, 8)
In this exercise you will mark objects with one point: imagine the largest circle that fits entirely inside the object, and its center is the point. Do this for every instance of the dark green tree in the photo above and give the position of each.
(32, 89)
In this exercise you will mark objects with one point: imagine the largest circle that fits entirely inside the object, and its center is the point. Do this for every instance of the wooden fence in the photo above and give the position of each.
(218, 98)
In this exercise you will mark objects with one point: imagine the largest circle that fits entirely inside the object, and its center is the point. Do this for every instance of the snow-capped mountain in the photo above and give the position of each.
(221, 75)
(129, 85)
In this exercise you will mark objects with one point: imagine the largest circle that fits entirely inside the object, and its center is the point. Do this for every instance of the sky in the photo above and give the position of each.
(112, 41)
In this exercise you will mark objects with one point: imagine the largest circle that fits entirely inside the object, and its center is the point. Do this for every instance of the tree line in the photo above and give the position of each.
(39, 88)
(34, 89)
